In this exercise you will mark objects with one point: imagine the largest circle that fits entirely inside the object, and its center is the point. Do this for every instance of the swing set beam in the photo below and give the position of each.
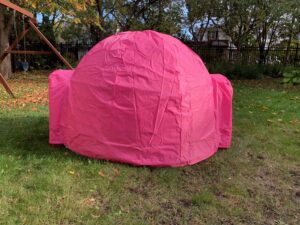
(12, 6)
(10, 50)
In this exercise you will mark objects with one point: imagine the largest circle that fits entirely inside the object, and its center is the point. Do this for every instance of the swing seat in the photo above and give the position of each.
(24, 66)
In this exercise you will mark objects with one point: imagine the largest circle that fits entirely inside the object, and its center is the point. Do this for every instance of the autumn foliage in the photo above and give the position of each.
(31, 92)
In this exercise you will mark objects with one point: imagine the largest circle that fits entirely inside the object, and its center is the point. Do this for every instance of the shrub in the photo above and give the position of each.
(292, 77)
(246, 71)
(274, 70)
(223, 68)
(237, 71)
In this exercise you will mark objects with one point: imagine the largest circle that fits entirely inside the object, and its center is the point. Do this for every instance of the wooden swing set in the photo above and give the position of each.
(31, 23)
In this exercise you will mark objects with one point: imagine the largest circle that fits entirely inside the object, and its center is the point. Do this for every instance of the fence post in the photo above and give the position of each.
(296, 55)
(230, 54)
(61, 48)
(77, 50)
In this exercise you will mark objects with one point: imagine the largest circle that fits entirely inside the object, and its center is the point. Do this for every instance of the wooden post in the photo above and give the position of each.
(296, 55)
(77, 50)
(32, 23)
(5, 54)
(49, 44)
(17, 8)
(6, 86)
(230, 53)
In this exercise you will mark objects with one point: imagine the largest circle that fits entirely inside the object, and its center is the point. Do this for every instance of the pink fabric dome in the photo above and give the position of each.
(142, 98)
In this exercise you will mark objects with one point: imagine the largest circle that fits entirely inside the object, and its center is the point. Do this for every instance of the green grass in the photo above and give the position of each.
(257, 181)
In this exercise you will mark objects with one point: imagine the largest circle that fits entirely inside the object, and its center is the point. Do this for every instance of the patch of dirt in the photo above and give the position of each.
(295, 175)
(185, 203)
(139, 190)
(261, 157)
(274, 193)
(172, 214)
(102, 202)
(251, 193)
(142, 189)
(270, 213)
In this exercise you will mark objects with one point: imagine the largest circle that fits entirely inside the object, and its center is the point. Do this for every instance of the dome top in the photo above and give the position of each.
(149, 49)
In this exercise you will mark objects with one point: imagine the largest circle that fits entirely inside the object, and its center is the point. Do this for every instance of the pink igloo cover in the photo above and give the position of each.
(142, 98)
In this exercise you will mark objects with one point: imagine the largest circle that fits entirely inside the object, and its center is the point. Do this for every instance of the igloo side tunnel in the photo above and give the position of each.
(142, 98)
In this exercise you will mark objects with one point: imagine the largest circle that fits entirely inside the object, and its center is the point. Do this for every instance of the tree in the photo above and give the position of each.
(161, 15)
(239, 18)
(200, 16)
(290, 25)
(6, 21)
(54, 14)
(269, 14)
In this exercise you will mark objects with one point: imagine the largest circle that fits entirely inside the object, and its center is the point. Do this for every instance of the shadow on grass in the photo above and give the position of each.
(28, 136)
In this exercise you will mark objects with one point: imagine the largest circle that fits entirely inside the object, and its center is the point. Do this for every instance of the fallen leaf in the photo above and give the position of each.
(117, 171)
(295, 121)
(101, 174)
(88, 201)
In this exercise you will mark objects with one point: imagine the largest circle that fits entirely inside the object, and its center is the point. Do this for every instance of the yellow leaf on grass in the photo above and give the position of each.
(101, 174)
(88, 201)
(117, 171)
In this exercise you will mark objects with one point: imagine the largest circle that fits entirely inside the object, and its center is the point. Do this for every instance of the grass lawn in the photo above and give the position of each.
(257, 181)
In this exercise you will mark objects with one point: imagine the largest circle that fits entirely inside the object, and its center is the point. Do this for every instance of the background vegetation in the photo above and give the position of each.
(249, 23)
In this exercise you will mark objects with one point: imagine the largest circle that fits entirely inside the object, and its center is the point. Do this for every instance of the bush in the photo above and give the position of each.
(246, 71)
(236, 71)
(292, 77)
(275, 70)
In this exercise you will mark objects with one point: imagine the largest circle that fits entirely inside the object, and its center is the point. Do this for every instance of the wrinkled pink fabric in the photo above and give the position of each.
(142, 98)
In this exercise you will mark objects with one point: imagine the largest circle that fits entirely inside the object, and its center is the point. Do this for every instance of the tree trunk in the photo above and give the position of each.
(5, 66)
(287, 53)
(262, 55)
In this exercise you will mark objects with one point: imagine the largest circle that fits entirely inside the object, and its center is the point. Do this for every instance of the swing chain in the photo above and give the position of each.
(24, 39)
(16, 33)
